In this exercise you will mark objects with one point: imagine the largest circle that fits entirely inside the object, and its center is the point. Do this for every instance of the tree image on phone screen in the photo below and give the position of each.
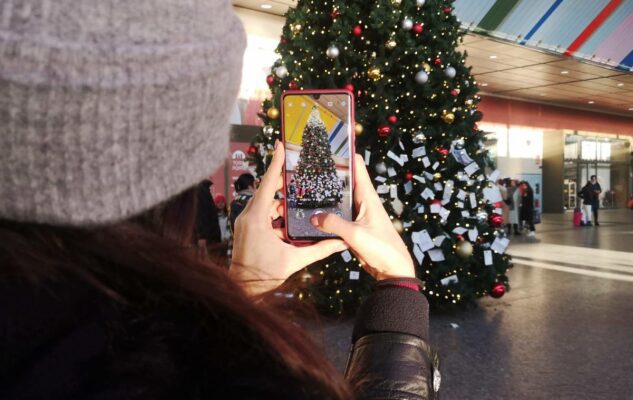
(317, 148)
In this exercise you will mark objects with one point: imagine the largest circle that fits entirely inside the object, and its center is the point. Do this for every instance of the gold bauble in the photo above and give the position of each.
(397, 225)
(464, 249)
(391, 44)
(272, 113)
(469, 102)
(396, 3)
(426, 67)
(374, 73)
(358, 129)
(437, 176)
(448, 118)
(295, 28)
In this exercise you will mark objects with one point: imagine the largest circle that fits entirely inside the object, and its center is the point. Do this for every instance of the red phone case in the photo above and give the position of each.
(352, 152)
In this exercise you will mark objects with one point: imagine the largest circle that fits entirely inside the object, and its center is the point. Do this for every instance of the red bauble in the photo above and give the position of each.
(438, 61)
(359, 94)
(454, 92)
(283, 40)
(392, 119)
(357, 31)
(496, 220)
(293, 85)
(270, 80)
(384, 131)
(443, 151)
(417, 28)
(447, 10)
(408, 176)
(252, 150)
(349, 87)
(335, 13)
(498, 290)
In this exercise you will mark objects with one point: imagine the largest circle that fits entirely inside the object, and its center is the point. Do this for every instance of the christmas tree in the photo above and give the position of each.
(315, 174)
(416, 115)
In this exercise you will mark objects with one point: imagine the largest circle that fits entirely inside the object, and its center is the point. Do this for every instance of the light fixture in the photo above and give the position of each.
(590, 102)
(266, 6)
(620, 84)
(630, 108)
(492, 57)
(564, 72)
(484, 84)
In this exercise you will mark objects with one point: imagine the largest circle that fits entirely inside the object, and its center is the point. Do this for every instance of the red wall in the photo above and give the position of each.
(514, 112)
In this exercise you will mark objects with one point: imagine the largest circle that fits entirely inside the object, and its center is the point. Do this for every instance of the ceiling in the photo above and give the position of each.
(504, 69)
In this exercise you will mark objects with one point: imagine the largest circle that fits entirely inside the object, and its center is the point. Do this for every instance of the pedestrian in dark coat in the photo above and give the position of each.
(527, 207)
(207, 223)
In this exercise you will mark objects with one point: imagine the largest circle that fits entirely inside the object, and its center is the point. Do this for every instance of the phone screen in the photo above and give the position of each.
(319, 149)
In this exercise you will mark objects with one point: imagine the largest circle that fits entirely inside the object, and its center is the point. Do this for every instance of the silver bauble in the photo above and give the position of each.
(459, 144)
(268, 130)
(420, 3)
(407, 24)
(332, 52)
(419, 138)
(482, 217)
(281, 71)
(381, 168)
(421, 77)
(450, 72)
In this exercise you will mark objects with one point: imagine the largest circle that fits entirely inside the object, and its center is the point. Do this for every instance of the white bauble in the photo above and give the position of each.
(407, 24)
(332, 52)
(421, 77)
(381, 168)
(420, 3)
(281, 71)
(450, 72)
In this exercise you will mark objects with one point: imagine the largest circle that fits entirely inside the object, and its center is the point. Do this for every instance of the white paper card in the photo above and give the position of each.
(471, 168)
(408, 187)
(427, 194)
(422, 239)
(407, 224)
(449, 279)
(346, 256)
(426, 162)
(500, 245)
(395, 157)
(448, 190)
(492, 194)
(494, 175)
(394, 191)
(354, 275)
(444, 213)
(421, 209)
(460, 204)
(380, 179)
(472, 234)
(404, 157)
(438, 187)
(437, 240)
(435, 208)
(418, 152)
(461, 195)
(418, 253)
(465, 214)
(391, 172)
(473, 200)
(367, 157)
(460, 230)
(436, 255)
(435, 165)
(400, 144)
(487, 257)
(382, 189)
(419, 178)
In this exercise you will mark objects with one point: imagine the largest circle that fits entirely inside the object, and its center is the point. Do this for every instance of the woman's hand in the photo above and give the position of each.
(261, 259)
(372, 236)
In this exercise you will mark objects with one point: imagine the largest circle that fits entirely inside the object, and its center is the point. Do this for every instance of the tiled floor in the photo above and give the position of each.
(564, 331)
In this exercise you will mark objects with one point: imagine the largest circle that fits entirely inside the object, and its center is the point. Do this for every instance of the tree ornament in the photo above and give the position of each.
(450, 72)
(283, 40)
(295, 29)
(268, 130)
(392, 119)
(417, 28)
(459, 144)
(455, 92)
(374, 73)
(357, 31)
(437, 176)
(482, 217)
(420, 3)
(384, 130)
(396, 3)
(421, 77)
(332, 51)
(397, 225)
(426, 67)
(419, 138)
(447, 10)
(381, 168)
(496, 220)
(408, 176)
(272, 113)
(448, 118)
(349, 87)
(358, 129)
(437, 61)
(443, 151)
(293, 85)
(391, 44)
(335, 13)
(270, 80)
(407, 24)
(498, 290)
(464, 249)
(281, 71)
(252, 150)
(469, 102)
(397, 206)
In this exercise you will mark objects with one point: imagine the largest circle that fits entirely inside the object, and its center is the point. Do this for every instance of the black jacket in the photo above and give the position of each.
(65, 341)
(588, 194)
(207, 222)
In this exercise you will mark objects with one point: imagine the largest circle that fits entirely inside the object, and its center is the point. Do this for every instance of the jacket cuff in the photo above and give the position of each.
(393, 309)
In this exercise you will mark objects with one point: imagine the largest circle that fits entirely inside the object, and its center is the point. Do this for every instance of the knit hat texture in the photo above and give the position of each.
(109, 107)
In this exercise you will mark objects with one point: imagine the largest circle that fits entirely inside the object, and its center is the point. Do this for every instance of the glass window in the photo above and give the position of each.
(498, 133)
(526, 142)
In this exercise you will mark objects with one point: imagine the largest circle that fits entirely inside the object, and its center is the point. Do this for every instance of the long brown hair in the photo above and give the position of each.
(126, 260)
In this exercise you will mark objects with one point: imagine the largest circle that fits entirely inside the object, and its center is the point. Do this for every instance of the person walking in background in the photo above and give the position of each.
(501, 184)
(245, 187)
(223, 217)
(513, 207)
(586, 194)
(527, 207)
(595, 198)
(207, 225)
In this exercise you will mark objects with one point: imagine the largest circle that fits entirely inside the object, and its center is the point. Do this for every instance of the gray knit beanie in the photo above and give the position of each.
(108, 107)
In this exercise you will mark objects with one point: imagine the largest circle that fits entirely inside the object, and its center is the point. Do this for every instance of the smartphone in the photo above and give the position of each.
(318, 138)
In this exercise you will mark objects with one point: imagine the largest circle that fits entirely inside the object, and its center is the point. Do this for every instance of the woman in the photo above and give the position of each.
(501, 184)
(515, 197)
(111, 112)
(527, 207)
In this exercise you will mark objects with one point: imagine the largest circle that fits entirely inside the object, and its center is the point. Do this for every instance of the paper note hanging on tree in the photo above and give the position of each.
(394, 191)
(437, 240)
(487, 257)
(426, 162)
(465, 214)
(473, 200)
(438, 187)
(427, 194)
(448, 190)
(418, 152)
(492, 194)
(471, 168)
(367, 157)
(380, 179)
(422, 239)
(460, 230)
(435, 165)
(354, 275)
(419, 178)
(391, 172)
(420, 209)
(444, 213)
(449, 279)
(346, 256)
(382, 189)
(408, 187)
(461, 156)
(500, 245)
(472, 234)
(461, 195)
(404, 158)
(436, 255)
(435, 208)
(494, 175)
(395, 157)
(418, 253)
(460, 204)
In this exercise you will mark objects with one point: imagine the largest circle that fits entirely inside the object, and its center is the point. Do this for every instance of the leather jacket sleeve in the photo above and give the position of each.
(390, 357)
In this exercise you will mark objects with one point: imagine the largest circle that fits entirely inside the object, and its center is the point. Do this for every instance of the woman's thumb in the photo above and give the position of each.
(332, 223)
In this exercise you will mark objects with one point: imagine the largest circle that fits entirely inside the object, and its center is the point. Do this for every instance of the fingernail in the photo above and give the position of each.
(314, 220)
(276, 143)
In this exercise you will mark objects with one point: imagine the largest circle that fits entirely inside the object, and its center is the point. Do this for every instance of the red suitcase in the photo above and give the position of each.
(577, 217)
